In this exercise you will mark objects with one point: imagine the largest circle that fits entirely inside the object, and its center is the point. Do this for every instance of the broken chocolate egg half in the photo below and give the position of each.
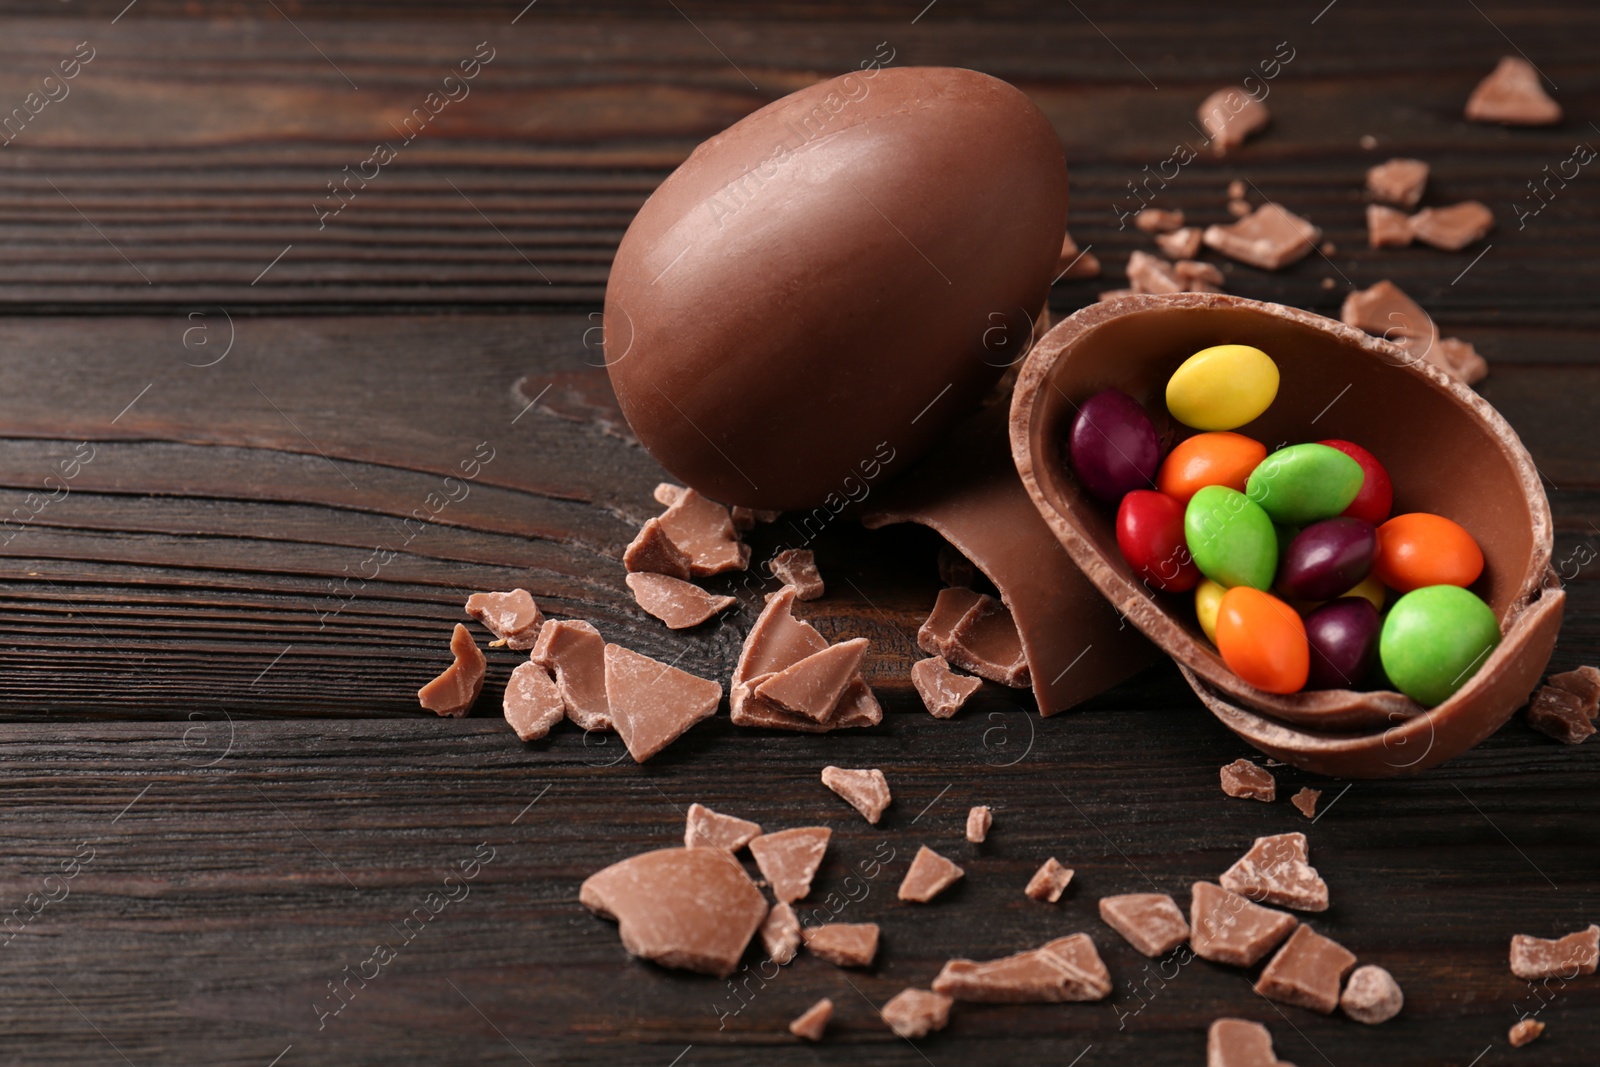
(1449, 452)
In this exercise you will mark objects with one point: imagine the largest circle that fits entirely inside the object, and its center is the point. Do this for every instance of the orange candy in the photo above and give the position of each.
(1263, 640)
(1419, 549)
(1209, 459)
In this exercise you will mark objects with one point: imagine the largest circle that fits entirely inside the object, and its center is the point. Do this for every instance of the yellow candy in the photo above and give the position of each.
(1370, 588)
(1223, 387)
(1207, 598)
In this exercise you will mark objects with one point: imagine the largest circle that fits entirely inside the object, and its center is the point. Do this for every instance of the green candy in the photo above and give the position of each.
(1305, 483)
(1434, 640)
(1230, 538)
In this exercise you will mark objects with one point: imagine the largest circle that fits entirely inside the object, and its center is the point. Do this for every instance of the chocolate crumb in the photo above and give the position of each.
(979, 820)
(1198, 276)
(667, 494)
(779, 641)
(1275, 870)
(1049, 881)
(788, 859)
(1583, 683)
(453, 693)
(1244, 779)
(1226, 928)
(704, 530)
(1559, 714)
(1399, 182)
(1524, 1031)
(653, 703)
(655, 552)
(1237, 189)
(1387, 227)
(798, 567)
(1512, 96)
(865, 790)
(532, 704)
(916, 1012)
(1271, 237)
(1306, 800)
(780, 933)
(1152, 274)
(1328, 248)
(942, 690)
(929, 875)
(1239, 208)
(512, 617)
(1307, 972)
(1458, 357)
(1240, 1043)
(1151, 922)
(704, 828)
(1368, 142)
(1180, 244)
(843, 944)
(1452, 228)
(1074, 264)
(677, 603)
(1066, 969)
(575, 653)
(814, 1022)
(1371, 996)
(1328, 283)
(1567, 957)
(1230, 117)
(1155, 220)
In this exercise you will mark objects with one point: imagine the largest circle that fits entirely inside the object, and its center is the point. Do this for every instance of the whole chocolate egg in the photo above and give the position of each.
(818, 293)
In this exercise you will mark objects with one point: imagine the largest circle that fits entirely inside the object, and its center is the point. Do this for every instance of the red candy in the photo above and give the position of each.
(1263, 640)
(1150, 534)
(1376, 498)
(1419, 549)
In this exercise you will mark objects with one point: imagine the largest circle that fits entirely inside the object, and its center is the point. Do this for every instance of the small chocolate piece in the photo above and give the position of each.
(788, 859)
(1271, 237)
(1559, 714)
(1073, 264)
(1049, 881)
(1181, 243)
(1240, 208)
(776, 642)
(743, 518)
(1371, 996)
(1367, 142)
(575, 653)
(653, 703)
(1385, 311)
(1583, 683)
(865, 790)
(916, 1012)
(1387, 227)
(1230, 116)
(798, 567)
(1237, 189)
(987, 643)
(1458, 357)
(943, 691)
(843, 944)
(1198, 276)
(1226, 928)
(654, 552)
(814, 1022)
(1512, 96)
(814, 686)
(1306, 800)
(1452, 228)
(780, 933)
(1155, 220)
(1244, 779)
(1308, 971)
(949, 608)
(1275, 871)
(1240, 1043)
(681, 907)
(704, 530)
(667, 494)
(1564, 957)
(1152, 274)
(704, 828)
(1399, 182)
(532, 703)
(979, 819)
(677, 603)
(1151, 922)
(929, 875)
(512, 617)
(452, 693)
(1524, 1031)
(1328, 248)
(1066, 969)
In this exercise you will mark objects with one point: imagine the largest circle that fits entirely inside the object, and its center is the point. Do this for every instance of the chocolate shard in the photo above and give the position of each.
(575, 653)
(1559, 714)
(1371, 996)
(813, 1023)
(1565, 957)
(1524, 1031)
(532, 703)
(1240, 1043)
(654, 552)
(1180, 244)
(677, 603)
(814, 685)
(1452, 228)
(1049, 881)
(1459, 358)
(1385, 311)
(1152, 274)
(1226, 928)
(1246, 780)
(1151, 922)
(858, 707)
(929, 875)
(979, 820)
(453, 693)
(780, 933)
(704, 828)
(1066, 969)
(743, 518)
(1270, 237)
(1240, 208)
(1074, 264)
(1230, 116)
(512, 617)
(1275, 871)
(1308, 971)
(1155, 220)
(1513, 96)
(778, 641)
(1199, 276)
(1237, 189)
(798, 567)
(1306, 801)
(914, 1013)
(843, 944)
(1387, 227)
(987, 643)
(943, 691)
(1399, 182)
(653, 703)
(1583, 683)
(788, 859)
(704, 530)
(692, 908)
(949, 608)
(866, 790)
(667, 494)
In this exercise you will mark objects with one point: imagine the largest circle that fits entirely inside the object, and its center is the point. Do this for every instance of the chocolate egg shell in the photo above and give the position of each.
(829, 285)
(1431, 430)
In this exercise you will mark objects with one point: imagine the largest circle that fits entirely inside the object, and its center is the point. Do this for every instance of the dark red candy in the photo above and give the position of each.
(1376, 498)
(1150, 534)
(1328, 558)
(1113, 446)
(1343, 635)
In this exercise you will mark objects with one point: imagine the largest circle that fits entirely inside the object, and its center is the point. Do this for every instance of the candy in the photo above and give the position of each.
(1209, 459)
(1343, 635)
(1113, 446)
(1222, 387)
(1370, 588)
(1207, 599)
(1377, 491)
(1327, 558)
(1433, 640)
(1150, 534)
(1262, 640)
(1304, 483)
(1419, 549)
(1231, 538)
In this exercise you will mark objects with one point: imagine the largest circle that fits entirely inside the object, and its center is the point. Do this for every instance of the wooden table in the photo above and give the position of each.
(220, 795)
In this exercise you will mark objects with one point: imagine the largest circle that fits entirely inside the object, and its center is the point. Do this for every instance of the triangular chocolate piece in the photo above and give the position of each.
(653, 703)
(788, 859)
(814, 686)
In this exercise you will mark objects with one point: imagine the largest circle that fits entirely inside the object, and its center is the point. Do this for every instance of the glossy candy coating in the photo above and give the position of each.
(1343, 635)
(1369, 588)
(1434, 640)
(1263, 641)
(1209, 459)
(1207, 599)
(1222, 387)
(1419, 549)
(1231, 538)
(1327, 558)
(1113, 446)
(1150, 534)
(1376, 498)
(1305, 483)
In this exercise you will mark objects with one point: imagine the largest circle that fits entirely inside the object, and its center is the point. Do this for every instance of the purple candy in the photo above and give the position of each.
(1328, 559)
(1344, 642)
(1113, 446)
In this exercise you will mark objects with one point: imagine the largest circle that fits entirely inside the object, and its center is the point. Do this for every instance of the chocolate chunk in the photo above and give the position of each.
(916, 1012)
(677, 603)
(843, 944)
(865, 790)
(1512, 96)
(1308, 971)
(1240, 1043)
(512, 617)
(814, 686)
(1049, 881)
(1239, 208)
(1244, 779)
(929, 875)
(1328, 248)
(1275, 871)
(704, 828)
(1386, 312)
(653, 703)
(1387, 227)
(654, 552)
(780, 933)
(743, 518)
(798, 567)
(1559, 714)
(1074, 264)
(1198, 276)
(1230, 116)
(987, 643)
(532, 703)
(1180, 244)
(704, 530)
(1452, 228)
(576, 654)
(788, 859)
(1237, 189)
(1399, 182)
(814, 1022)
(1270, 237)
(949, 608)
(667, 494)
(979, 819)
(1152, 274)
(1565, 957)
(1155, 220)
(942, 690)
(1524, 1031)
(776, 642)
(1371, 996)
(1226, 928)
(1459, 358)
(692, 908)
(1583, 683)
(1066, 969)
(452, 693)
(1151, 922)
(1306, 800)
